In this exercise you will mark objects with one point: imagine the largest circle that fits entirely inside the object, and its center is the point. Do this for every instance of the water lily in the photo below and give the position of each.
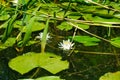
(87, 1)
(14, 2)
(66, 45)
(41, 35)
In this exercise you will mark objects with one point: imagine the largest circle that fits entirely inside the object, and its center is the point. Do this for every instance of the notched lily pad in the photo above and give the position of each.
(47, 61)
(52, 63)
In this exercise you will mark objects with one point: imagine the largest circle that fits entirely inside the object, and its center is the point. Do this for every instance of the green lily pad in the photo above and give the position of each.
(111, 76)
(47, 61)
(100, 19)
(24, 63)
(4, 17)
(74, 15)
(114, 5)
(115, 42)
(49, 78)
(37, 26)
(64, 26)
(83, 26)
(23, 2)
(52, 63)
(18, 24)
(45, 78)
(117, 15)
(8, 43)
(87, 40)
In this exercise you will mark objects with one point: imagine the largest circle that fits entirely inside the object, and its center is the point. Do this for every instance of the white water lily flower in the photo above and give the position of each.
(14, 2)
(87, 1)
(41, 35)
(66, 45)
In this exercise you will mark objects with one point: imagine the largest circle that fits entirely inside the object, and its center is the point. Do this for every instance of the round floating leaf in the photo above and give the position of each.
(37, 26)
(116, 42)
(90, 44)
(23, 2)
(117, 15)
(52, 63)
(64, 26)
(114, 5)
(47, 61)
(83, 26)
(87, 40)
(4, 17)
(31, 42)
(87, 16)
(18, 24)
(49, 78)
(8, 43)
(74, 15)
(100, 19)
(45, 78)
(24, 63)
(111, 76)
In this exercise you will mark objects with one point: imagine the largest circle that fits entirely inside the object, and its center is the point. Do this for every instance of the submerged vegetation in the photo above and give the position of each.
(59, 39)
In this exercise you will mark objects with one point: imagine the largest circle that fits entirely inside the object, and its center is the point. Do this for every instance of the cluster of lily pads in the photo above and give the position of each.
(90, 13)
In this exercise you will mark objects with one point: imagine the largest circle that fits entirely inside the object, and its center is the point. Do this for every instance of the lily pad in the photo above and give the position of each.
(49, 78)
(87, 40)
(37, 26)
(74, 15)
(111, 76)
(45, 78)
(23, 2)
(100, 19)
(52, 63)
(116, 42)
(4, 17)
(47, 61)
(8, 43)
(83, 26)
(24, 63)
(64, 26)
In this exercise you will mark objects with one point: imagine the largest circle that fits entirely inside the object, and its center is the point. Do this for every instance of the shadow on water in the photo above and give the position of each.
(5, 72)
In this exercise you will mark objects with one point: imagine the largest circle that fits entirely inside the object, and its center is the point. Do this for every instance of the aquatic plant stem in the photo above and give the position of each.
(117, 57)
(43, 41)
(37, 70)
